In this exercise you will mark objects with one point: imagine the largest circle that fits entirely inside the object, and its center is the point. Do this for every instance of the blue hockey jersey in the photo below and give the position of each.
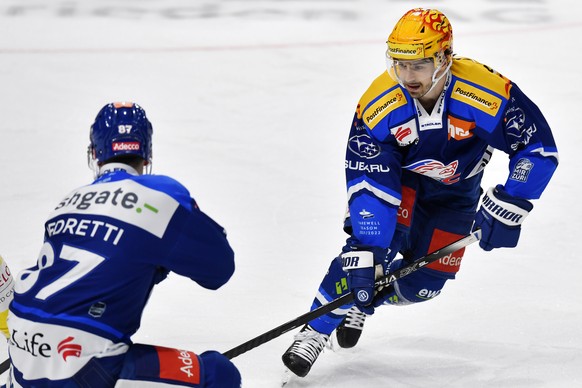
(106, 245)
(479, 111)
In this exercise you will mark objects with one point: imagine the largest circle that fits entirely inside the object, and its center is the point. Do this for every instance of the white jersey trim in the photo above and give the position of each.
(377, 192)
(40, 350)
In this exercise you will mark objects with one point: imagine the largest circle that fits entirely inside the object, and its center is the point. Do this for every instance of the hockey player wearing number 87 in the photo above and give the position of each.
(421, 136)
(107, 244)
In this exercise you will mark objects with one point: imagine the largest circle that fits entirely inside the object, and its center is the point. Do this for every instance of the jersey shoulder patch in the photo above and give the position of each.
(479, 86)
(382, 97)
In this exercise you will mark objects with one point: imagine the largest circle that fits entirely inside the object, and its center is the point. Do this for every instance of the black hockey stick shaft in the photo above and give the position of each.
(4, 366)
(347, 298)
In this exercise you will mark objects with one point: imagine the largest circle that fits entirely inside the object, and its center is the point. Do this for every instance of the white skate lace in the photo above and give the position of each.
(309, 343)
(355, 319)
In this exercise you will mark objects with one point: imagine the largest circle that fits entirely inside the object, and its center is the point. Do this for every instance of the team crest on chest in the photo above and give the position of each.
(436, 170)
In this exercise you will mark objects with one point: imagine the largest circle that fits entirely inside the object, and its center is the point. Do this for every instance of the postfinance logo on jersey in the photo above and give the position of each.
(475, 97)
(125, 200)
(384, 105)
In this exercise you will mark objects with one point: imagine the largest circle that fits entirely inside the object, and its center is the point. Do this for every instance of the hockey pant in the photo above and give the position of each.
(166, 367)
(152, 366)
(424, 229)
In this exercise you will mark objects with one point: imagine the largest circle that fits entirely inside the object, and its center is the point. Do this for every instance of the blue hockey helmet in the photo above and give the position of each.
(120, 128)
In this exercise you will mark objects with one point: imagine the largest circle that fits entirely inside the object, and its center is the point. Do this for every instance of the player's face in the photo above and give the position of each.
(415, 76)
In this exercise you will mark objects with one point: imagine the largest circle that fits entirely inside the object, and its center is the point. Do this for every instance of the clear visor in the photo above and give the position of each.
(424, 67)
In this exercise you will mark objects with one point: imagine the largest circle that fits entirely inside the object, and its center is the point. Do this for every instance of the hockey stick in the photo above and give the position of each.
(347, 298)
(4, 366)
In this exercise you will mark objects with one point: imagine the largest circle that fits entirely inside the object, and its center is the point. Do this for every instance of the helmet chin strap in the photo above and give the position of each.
(435, 80)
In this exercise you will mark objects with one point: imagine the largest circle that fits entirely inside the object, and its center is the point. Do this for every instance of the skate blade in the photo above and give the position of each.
(287, 375)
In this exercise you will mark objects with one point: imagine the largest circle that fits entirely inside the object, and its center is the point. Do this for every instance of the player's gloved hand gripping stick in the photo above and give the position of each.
(348, 298)
(359, 266)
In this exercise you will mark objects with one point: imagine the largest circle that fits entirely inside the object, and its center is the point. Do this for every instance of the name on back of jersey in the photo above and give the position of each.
(85, 227)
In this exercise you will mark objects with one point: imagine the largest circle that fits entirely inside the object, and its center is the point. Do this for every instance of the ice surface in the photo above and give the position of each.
(251, 103)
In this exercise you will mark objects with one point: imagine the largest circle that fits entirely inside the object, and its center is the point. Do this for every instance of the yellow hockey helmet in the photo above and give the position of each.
(421, 33)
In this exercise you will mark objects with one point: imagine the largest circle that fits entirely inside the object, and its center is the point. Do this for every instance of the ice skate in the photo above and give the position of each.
(349, 331)
(301, 355)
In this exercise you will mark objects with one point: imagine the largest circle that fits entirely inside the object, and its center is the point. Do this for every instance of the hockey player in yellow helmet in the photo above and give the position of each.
(419, 50)
(421, 135)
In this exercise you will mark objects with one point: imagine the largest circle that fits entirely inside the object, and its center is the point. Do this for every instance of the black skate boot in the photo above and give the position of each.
(349, 331)
(302, 353)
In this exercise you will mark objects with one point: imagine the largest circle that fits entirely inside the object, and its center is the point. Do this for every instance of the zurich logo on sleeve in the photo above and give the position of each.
(521, 170)
(364, 146)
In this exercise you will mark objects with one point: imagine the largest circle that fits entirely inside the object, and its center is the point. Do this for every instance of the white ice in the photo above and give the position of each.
(251, 103)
